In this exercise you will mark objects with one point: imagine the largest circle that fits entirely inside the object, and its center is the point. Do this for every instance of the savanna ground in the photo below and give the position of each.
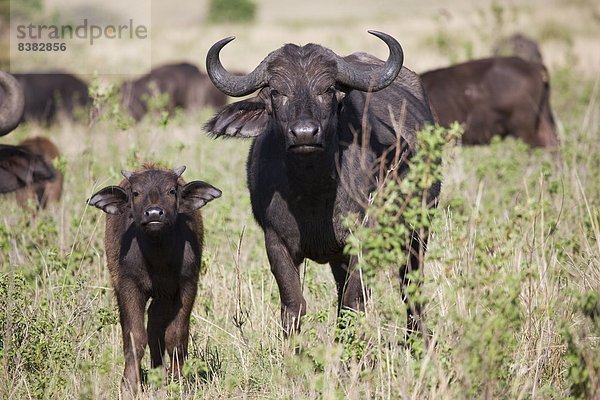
(512, 278)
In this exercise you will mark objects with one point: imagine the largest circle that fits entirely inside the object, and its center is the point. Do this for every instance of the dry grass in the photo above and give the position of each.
(517, 225)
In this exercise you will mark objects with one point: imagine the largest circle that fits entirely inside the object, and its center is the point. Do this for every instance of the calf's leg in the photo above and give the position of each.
(132, 304)
(178, 328)
(158, 319)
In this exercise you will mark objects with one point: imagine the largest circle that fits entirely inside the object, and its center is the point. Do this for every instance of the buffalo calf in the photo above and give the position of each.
(42, 192)
(153, 244)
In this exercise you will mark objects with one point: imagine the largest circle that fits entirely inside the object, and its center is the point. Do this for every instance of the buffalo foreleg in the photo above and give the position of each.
(409, 276)
(178, 330)
(287, 275)
(351, 292)
(132, 304)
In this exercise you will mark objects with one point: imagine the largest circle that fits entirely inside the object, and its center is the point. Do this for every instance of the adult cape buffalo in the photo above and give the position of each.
(186, 86)
(18, 166)
(494, 96)
(50, 94)
(322, 127)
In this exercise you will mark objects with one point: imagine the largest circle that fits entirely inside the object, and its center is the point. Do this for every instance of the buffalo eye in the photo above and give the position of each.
(327, 94)
(173, 192)
(135, 194)
(275, 95)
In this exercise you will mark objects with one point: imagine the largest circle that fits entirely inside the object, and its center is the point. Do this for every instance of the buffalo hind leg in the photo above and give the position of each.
(287, 275)
(408, 284)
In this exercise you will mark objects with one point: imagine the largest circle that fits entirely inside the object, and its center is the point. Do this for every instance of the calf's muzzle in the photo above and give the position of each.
(153, 215)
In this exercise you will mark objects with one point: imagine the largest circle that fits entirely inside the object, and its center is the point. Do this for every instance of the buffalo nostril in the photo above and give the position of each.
(305, 129)
(154, 212)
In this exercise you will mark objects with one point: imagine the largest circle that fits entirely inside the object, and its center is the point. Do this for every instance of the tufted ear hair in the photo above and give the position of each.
(246, 118)
(111, 200)
(196, 194)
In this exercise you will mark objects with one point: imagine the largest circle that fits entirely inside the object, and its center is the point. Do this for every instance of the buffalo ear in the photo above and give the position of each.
(195, 195)
(246, 118)
(112, 200)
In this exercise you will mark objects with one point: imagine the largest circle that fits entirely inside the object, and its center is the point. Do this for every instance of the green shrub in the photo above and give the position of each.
(381, 244)
(231, 11)
(34, 340)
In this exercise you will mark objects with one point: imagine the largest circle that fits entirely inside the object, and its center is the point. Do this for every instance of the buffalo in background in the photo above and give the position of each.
(52, 94)
(183, 83)
(504, 96)
(19, 166)
(325, 129)
(47, 191)
(518, 45)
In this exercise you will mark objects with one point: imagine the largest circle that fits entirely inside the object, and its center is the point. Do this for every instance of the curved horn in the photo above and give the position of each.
(230, 84)
(375, 79)
(11, 103)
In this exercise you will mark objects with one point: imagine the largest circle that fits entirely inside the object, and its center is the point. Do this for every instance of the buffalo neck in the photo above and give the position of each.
(159, 246)
(313, 174)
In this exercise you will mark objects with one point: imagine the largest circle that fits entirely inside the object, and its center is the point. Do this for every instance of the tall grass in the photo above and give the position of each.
(511, 282)
(510, 286)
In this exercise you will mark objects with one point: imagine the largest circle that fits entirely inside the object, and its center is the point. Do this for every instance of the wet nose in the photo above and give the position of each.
(154, 213)
(305, 129)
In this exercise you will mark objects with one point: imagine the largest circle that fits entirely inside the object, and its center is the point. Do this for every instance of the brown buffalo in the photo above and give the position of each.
(153, 244)
(19, 167)
(186, 87)
(494, 96)
(41, 193)
(50, 94)
(323, 125)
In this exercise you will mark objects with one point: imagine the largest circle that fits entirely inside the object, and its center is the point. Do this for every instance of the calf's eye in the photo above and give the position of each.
(172, 191)
(135, 194)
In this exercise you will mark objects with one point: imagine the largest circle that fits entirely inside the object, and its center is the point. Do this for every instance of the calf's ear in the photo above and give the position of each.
(246, 118)
(111, 200)
(195, 195)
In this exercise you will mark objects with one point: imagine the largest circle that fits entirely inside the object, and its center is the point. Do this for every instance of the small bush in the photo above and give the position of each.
(231, 11)
(382, 243)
